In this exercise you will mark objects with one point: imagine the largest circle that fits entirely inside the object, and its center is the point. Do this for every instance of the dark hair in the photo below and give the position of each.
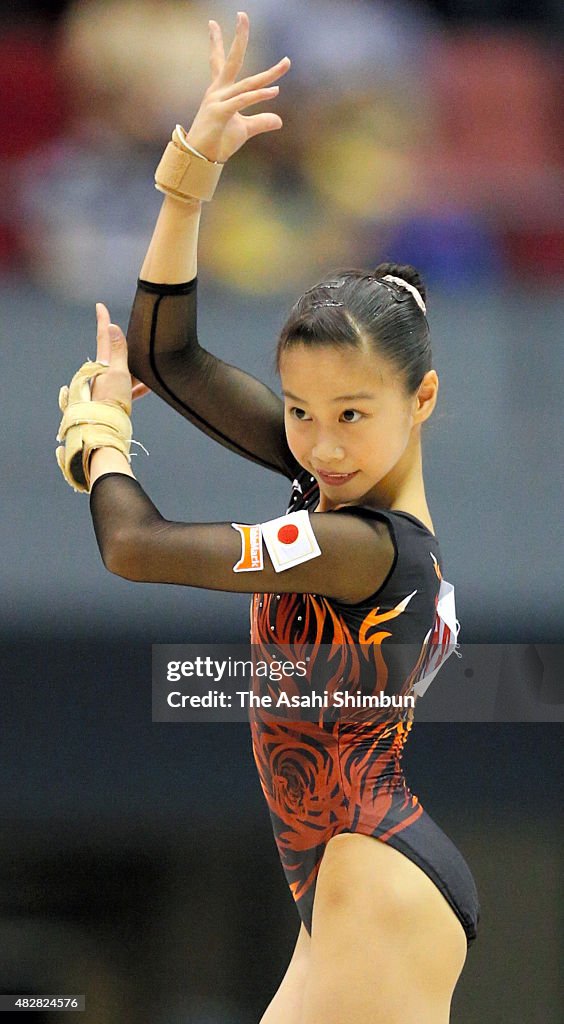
(355, 305)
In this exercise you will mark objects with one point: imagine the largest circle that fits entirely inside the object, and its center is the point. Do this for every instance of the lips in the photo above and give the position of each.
(335, 479)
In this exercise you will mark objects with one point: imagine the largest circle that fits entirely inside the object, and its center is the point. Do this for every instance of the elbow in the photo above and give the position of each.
(121, 556)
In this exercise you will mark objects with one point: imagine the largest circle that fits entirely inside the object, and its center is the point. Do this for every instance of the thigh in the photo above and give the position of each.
(286, 1005)
(385, 944)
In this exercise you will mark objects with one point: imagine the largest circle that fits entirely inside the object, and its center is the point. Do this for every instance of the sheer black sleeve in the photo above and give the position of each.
(228, 404)
(136, 542)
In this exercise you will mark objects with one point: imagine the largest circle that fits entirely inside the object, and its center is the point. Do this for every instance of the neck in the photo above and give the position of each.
(403, 486)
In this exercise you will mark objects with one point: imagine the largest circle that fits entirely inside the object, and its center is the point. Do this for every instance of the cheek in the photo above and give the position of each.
(384, 441)
(398, 418)
(293, 436)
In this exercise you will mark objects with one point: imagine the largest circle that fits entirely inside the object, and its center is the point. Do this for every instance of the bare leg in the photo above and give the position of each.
(286, 1006)
(386, 947)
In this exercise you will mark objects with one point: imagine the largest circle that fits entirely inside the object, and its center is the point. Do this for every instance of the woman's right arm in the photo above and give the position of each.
(164, 352)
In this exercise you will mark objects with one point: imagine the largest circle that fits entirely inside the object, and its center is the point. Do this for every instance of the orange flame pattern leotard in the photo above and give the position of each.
(327, 776)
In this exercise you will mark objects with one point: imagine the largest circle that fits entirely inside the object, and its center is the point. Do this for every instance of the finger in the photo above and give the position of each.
(264, 78)
(247, 99)
(118, 346)
(217, 52)
(139, 390)
(237, 50)
(103, 344)
(259, 123)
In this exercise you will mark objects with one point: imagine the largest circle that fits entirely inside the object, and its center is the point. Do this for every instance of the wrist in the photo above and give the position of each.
(184, 174)
(195, 145)
(88, 425)
(107, 460)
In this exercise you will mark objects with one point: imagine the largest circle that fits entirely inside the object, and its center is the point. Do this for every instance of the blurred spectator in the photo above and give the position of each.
(496, 147)
(131, 70)
(400, 140)
(497, 136)
(88, 202)
(547, 12)
(32, 113)
(455, 247)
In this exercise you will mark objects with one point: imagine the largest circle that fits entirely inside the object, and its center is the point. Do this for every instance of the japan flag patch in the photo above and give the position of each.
(290, 540)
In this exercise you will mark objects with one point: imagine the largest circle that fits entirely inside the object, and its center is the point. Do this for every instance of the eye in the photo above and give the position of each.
(351, 416)
(299, 414)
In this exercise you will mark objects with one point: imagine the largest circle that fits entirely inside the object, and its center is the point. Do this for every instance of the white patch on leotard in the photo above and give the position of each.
(441, 639)
(290, 540)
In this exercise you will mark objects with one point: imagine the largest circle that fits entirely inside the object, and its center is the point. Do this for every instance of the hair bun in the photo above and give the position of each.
(406, 272)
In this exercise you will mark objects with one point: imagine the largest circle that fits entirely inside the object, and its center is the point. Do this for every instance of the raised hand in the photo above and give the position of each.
(219, 128)
(105, 332)
(111, 349)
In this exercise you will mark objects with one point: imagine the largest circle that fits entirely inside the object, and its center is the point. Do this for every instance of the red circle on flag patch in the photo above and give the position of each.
(288, 534)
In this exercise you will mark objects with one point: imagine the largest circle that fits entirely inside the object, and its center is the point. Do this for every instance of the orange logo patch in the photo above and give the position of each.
(251, 548)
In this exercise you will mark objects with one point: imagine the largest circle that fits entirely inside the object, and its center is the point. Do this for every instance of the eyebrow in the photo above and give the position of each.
(339, 398)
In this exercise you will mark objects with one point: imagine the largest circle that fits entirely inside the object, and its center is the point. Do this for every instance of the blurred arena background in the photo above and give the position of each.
(137, 864)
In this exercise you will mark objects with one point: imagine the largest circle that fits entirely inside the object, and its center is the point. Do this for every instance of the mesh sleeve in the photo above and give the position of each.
(136, 542)
(224, 402)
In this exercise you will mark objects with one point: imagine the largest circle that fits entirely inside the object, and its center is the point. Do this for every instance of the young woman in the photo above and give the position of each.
(388, 905)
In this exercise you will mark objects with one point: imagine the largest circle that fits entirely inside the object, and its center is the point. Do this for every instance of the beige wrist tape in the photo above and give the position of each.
(88, 425)
(184, 174)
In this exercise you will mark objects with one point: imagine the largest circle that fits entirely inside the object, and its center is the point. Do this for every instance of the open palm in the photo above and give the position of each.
(219, 128)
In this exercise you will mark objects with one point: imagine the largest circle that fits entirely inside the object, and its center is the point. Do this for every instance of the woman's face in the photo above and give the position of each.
(348, 419)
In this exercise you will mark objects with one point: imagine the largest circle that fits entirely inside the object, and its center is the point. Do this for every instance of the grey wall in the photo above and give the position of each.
(493, 454)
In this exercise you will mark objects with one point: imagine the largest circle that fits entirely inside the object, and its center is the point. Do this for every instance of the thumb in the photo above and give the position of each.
(259, 123)
(116, 334)
(118, 347)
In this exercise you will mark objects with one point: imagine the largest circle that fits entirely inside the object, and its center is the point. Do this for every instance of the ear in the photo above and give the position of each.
(425, 398)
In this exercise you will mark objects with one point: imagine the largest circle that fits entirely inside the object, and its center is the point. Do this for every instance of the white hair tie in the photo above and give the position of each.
(410, 287)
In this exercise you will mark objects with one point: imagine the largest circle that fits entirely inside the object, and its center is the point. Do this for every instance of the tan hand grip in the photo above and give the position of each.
(183, 174)
(87, 425)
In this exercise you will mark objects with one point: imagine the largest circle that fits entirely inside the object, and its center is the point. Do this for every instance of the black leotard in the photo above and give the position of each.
(319, 778)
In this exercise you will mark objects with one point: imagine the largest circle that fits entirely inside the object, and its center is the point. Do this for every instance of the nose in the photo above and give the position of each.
(326, 452)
